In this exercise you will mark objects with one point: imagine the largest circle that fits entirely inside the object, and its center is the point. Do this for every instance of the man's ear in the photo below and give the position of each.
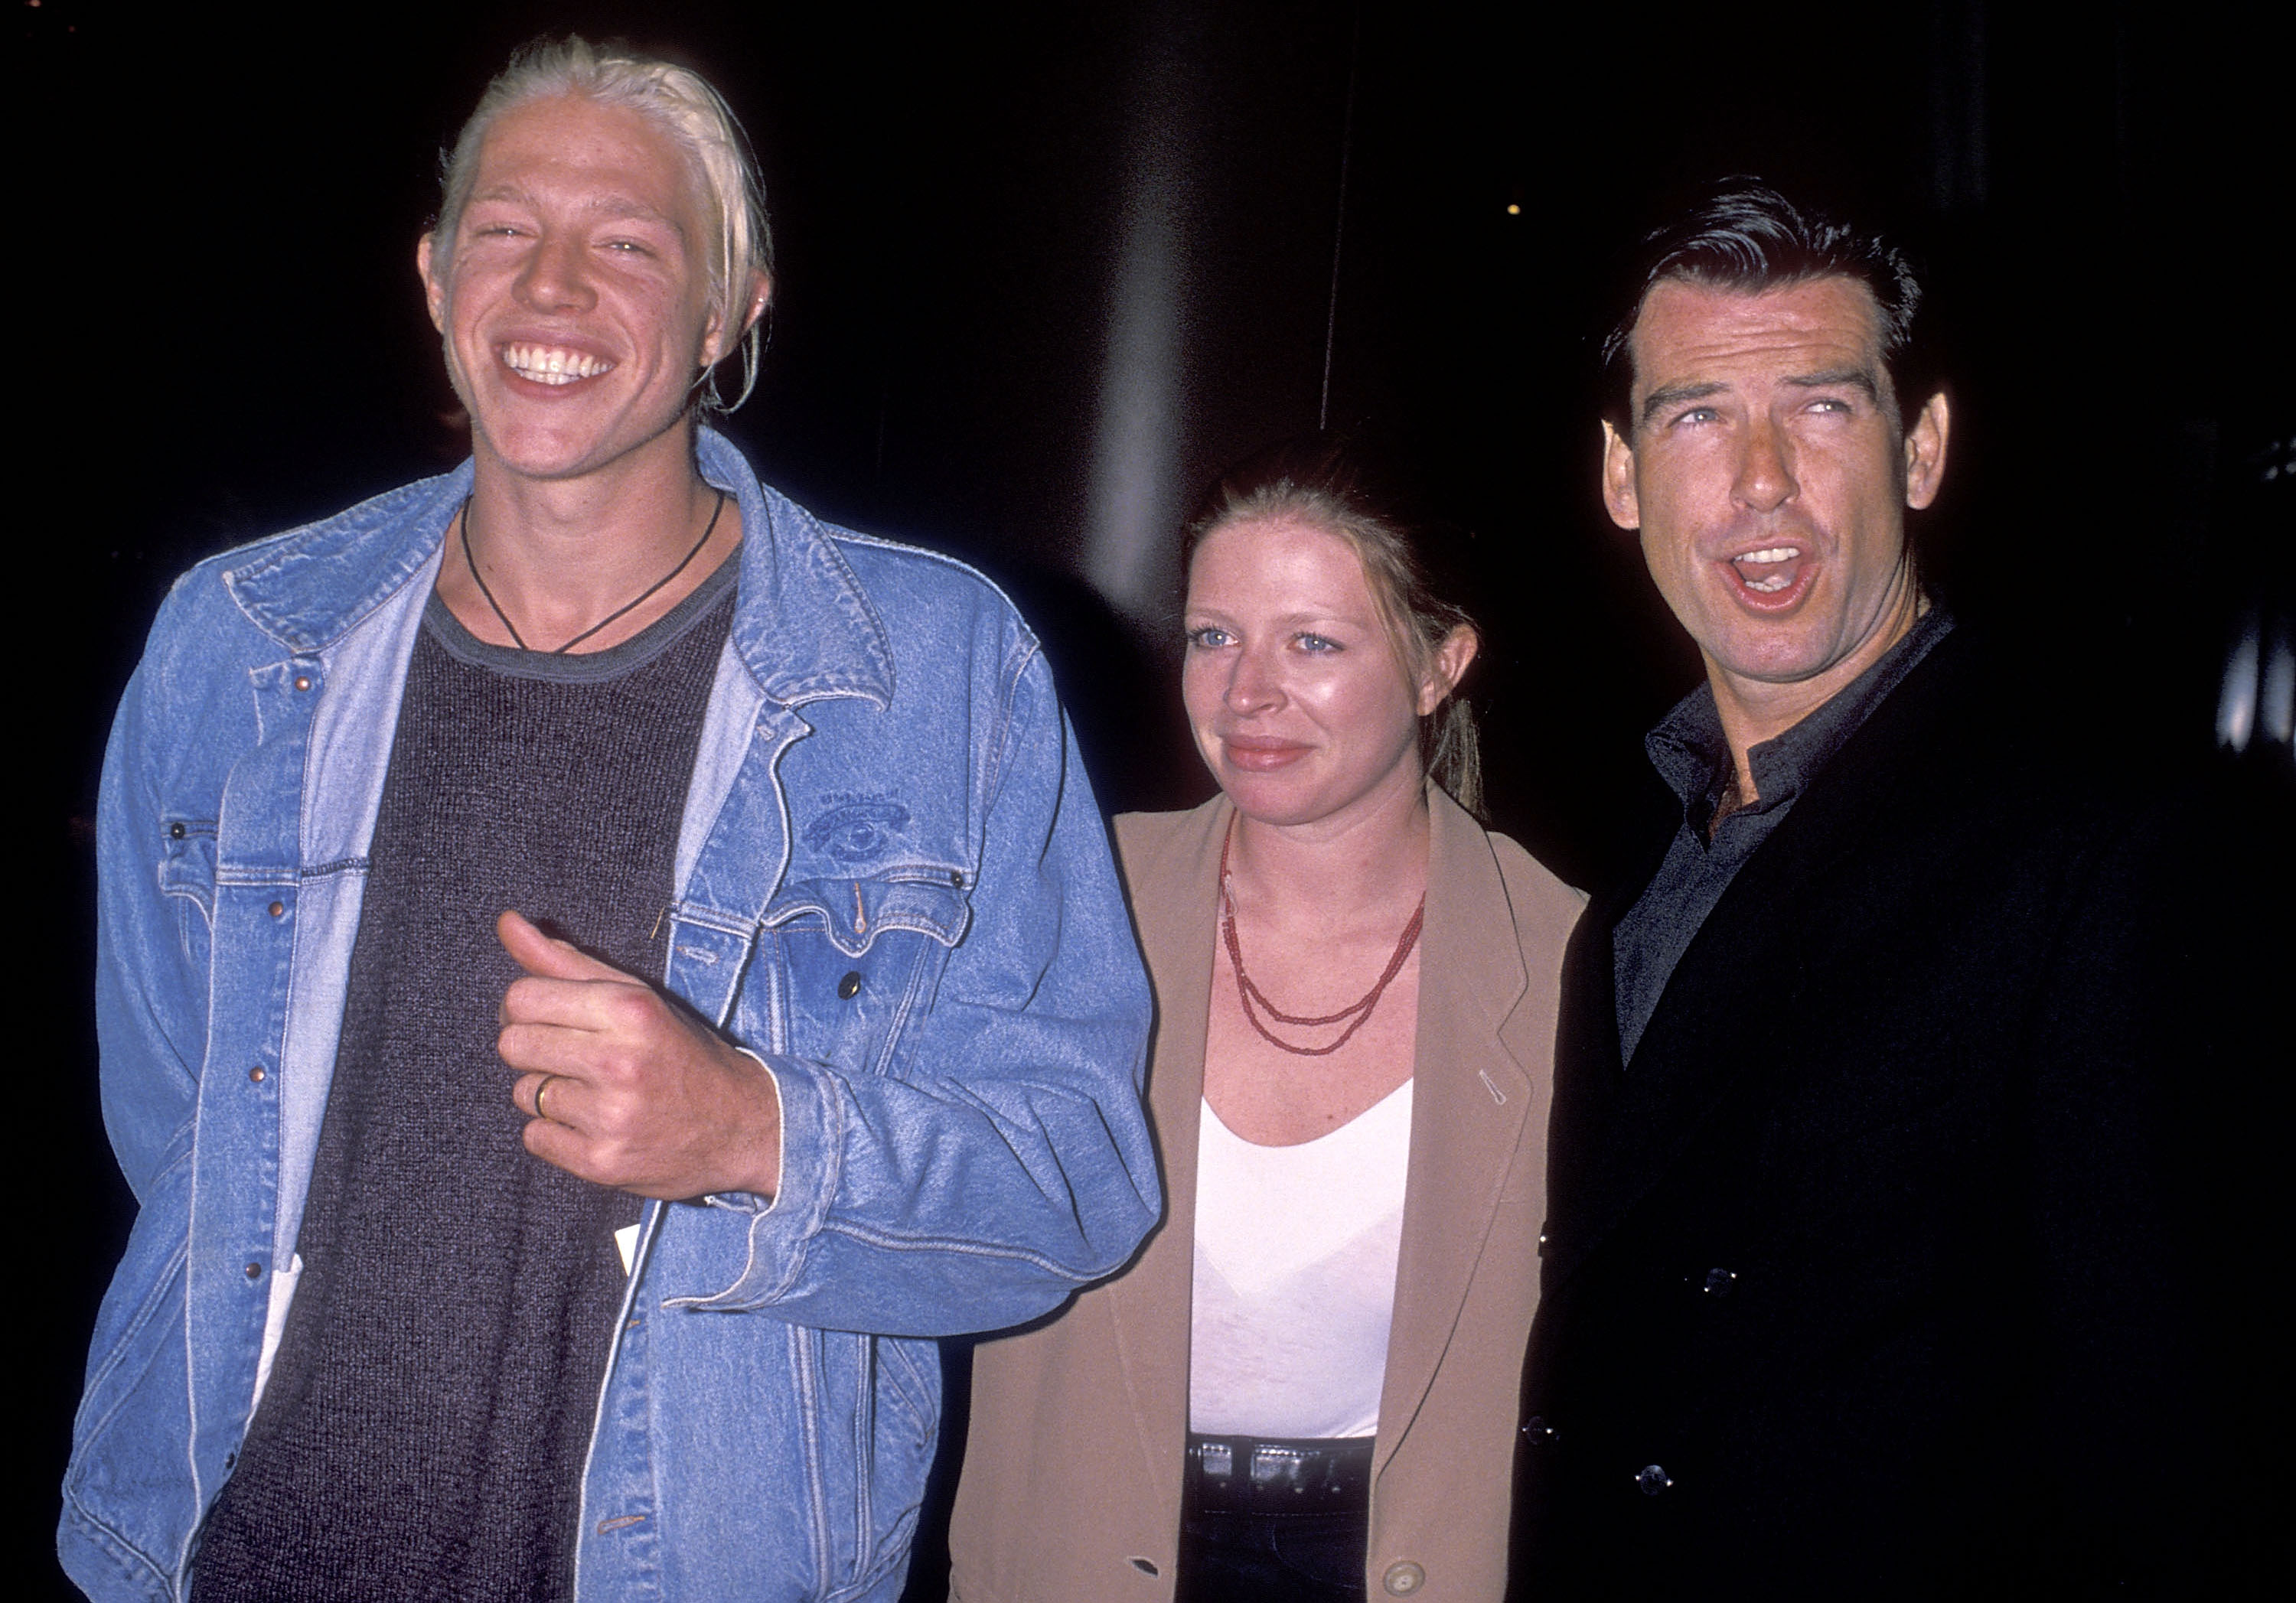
(1618, 496)
(434, 293)
(714, 345)
(1449, 664)
(1925, 443)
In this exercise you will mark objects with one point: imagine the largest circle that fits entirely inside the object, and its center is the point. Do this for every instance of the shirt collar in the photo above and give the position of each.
(1692, 756)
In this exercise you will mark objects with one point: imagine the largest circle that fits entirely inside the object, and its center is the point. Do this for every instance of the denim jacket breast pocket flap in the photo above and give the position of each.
(853, 913)
(861, 959)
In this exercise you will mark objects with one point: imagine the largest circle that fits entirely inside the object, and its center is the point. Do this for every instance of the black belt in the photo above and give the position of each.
(1277, 1474)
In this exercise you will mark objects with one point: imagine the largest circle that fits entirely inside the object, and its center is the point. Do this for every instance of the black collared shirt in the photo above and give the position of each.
(1691, 755)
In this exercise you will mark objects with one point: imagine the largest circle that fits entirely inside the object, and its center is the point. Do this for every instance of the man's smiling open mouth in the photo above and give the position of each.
(1768, 570)
(552, 364)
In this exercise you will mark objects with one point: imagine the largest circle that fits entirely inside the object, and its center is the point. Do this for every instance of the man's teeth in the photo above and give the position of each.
(1770, 583)
(552, 365)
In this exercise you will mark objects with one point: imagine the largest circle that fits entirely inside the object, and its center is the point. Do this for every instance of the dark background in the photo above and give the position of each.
(226, 339)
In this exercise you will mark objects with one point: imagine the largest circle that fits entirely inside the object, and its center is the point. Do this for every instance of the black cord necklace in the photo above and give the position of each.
(643, 596)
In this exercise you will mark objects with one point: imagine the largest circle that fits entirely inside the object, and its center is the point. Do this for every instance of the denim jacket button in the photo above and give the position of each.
(849, 986)
(175, 832)
(256, 1074)
(278, 909)
(302, 682)
(255, 1272)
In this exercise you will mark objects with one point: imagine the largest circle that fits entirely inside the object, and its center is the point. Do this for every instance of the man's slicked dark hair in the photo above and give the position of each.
(1742, 235)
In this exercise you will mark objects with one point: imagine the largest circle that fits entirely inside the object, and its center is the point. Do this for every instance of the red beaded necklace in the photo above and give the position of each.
(1247, 993)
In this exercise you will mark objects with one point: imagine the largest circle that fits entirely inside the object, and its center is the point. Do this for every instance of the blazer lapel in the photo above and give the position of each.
(1632, 1125)
(1173, 889)
(1590, 1083)
(1471, 1098)
(1705, 1054)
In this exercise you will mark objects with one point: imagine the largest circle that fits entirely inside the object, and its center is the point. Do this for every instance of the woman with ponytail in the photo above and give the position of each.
(1304, 1387)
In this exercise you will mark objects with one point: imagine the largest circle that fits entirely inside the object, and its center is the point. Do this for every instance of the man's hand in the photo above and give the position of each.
(623, 1088)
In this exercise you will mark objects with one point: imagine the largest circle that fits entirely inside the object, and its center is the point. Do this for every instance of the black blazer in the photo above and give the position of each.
(1869, 1277)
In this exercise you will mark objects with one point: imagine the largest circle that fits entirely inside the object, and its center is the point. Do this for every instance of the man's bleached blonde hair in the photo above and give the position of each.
(681, 104)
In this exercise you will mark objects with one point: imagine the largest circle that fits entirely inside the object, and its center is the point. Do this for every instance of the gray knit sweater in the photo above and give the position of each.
(424, 1430)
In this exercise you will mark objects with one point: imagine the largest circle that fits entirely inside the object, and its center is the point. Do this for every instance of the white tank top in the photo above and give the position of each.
(1295, 1276)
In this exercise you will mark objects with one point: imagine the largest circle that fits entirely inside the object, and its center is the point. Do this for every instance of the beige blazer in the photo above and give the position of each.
(1072, 1475)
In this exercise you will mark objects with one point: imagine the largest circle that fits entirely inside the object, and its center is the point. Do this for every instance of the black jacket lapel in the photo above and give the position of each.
(1705, 1055)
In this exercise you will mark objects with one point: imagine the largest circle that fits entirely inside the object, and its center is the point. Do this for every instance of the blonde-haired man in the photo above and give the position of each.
(597, 967)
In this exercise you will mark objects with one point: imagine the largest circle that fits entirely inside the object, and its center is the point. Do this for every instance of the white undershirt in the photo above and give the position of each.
(1295, 1276)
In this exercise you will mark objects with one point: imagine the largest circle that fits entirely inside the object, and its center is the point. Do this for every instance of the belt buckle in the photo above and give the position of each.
(1278, 1470)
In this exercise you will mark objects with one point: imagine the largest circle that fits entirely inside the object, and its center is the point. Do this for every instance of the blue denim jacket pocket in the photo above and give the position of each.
(903, 1427)
(908, 1390)
(856, 960)
(187, 876)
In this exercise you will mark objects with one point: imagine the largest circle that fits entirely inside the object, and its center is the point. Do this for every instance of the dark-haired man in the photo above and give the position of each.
(1857, 1270)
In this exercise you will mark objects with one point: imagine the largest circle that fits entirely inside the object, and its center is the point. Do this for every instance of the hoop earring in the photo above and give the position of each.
(754, 346)
(702, 395)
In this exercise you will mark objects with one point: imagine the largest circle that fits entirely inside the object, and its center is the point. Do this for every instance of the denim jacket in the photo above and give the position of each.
(885, 792)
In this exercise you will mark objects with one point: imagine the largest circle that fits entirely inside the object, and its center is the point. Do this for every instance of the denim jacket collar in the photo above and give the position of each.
(805, 629)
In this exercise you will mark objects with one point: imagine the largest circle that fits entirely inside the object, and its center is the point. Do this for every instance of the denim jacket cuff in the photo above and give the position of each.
(744, 1251)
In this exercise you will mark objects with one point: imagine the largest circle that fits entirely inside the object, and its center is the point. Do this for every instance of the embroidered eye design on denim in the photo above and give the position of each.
(858, 831)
